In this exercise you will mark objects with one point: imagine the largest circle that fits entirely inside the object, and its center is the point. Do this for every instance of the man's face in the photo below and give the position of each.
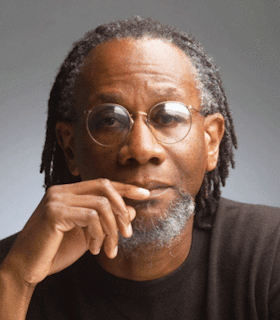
(138, 74)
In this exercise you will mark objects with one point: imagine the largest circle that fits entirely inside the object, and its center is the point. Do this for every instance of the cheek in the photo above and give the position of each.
(93, 161)
(191, 161)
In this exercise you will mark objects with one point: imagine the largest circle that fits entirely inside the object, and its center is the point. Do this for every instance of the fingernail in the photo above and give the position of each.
(96, 251)
(145, 192)
(129, 230)
(115, 251)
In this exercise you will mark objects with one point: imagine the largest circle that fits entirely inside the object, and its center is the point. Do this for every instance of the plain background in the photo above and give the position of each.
(242, 36)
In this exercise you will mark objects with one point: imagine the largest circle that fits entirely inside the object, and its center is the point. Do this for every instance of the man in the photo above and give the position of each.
(132, 226)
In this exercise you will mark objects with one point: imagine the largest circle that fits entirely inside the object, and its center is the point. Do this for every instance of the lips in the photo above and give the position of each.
(151, 185)
(157, 190)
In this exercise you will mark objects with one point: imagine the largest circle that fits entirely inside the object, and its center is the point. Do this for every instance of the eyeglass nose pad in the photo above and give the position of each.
(142, 112)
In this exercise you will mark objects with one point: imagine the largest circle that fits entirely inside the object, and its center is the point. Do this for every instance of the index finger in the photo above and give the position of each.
(131, 191)
(95, 186)
(114, 192)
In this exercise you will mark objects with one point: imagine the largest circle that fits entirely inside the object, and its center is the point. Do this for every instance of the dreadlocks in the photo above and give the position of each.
(61, 104)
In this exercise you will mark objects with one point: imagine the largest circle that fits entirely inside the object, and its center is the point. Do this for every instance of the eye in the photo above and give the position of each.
(168, 118)
(108, 120)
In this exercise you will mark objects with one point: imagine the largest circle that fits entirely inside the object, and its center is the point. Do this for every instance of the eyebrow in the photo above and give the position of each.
(115, 97)
(174, 93)
(106, 97)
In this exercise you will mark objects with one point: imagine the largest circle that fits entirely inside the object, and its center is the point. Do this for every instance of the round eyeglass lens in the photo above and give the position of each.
(108, 125)
(170, 122)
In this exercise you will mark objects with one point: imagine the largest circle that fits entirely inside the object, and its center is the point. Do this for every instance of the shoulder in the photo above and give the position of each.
(244, 258)
(5, 246)
(256, 217)
(247, 229)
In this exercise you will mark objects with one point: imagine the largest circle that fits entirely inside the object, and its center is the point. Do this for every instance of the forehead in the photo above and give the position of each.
(147, 65)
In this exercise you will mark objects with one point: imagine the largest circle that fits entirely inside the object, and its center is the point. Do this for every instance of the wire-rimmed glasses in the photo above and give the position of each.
(109, 124)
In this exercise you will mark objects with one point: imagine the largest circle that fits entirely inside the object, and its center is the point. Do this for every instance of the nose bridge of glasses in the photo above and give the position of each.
(143, 113)
(133, 117)
(139, 112)
(146, 120)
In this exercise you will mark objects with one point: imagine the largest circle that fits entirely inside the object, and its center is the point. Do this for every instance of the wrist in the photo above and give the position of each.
(15, 293)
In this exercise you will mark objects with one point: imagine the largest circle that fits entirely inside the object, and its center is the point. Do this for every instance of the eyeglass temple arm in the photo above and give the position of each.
(191, 107)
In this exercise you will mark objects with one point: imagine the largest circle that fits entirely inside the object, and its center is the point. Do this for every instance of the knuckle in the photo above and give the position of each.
(114, 234)
(92, 214)
(125, 215)
(53, 194)
(105, 182)
(51, 207)
(98, 237)
(52, 210)
(103, 201)
(53, 189)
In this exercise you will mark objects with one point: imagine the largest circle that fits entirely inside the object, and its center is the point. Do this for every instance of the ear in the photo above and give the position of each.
(214, 128)
(65, 138)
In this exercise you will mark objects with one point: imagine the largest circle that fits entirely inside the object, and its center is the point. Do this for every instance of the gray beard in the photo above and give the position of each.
(164, 231)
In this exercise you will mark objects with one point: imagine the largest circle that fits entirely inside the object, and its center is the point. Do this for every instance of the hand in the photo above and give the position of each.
(70, 220)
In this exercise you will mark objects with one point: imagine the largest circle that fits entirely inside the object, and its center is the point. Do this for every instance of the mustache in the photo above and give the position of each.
(140, 204)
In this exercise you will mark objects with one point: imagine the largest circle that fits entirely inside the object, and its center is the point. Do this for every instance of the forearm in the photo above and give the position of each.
(15, 295)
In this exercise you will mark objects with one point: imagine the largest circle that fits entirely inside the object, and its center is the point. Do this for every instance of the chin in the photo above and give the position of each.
(154, 230)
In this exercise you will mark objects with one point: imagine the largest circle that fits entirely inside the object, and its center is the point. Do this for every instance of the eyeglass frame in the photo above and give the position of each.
(189, 107)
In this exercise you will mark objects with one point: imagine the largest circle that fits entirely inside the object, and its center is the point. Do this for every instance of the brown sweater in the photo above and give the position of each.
(232, 272)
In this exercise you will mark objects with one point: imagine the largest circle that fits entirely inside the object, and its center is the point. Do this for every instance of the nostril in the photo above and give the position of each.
(131, 162)
(155, 160)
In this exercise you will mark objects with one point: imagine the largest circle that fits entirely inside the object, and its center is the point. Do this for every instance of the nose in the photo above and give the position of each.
(141, 146)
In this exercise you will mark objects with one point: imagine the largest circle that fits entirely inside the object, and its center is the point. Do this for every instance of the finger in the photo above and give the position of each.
(102, 206)
(92, 186)
(108, 223)
(120, 211)
(132, 212)
(106, 189)
(65, 218)
(95, 233)
(98, 238)
(131, 191)
(111, 251)
(117, 206)
(114, 191)
(100, 223)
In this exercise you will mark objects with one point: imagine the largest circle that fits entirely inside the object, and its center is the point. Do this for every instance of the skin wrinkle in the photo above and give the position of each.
(205, 99)
(117, 98)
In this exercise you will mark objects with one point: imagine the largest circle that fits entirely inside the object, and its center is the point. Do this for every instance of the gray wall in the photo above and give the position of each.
(242, 36)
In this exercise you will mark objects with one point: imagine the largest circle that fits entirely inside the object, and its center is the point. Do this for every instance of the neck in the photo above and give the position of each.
(151, 263)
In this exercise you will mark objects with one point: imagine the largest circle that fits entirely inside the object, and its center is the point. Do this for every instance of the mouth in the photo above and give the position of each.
(150, 185)
(156, 188)
(158, 192)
